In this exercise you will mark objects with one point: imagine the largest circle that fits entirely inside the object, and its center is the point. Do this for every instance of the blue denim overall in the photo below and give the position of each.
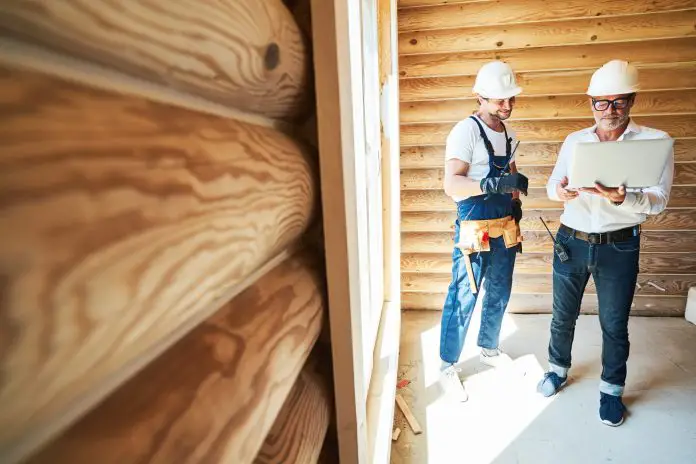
(494, 268)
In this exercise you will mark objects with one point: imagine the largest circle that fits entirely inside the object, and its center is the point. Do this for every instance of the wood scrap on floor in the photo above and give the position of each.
(396, 433)
(415, 426)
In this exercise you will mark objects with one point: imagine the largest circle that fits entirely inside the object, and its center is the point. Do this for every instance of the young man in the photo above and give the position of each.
(481, 177)
(601, 229)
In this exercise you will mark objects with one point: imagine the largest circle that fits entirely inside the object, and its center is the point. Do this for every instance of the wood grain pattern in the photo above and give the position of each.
(544, 34)
(425, 179)
(540, 242)
(246, 54)
(299, 430)
(540, 263)
(542, 304)
(417, 3)
(443, 221)
(121, 222)
(436, 200)
(652, 76)
(214, 395)
(547, 107)
(550, 58)
(542, 283)
(552, 130)
(528, 154)
(522, 11)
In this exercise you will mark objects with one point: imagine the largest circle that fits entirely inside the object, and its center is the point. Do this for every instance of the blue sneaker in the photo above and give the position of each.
(551, 383)
(611, 410)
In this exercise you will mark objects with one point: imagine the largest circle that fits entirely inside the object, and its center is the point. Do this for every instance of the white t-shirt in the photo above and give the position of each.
(464, 142)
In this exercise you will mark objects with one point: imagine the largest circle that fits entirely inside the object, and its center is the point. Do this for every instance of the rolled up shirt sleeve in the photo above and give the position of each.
(652, 200)
(560, 170)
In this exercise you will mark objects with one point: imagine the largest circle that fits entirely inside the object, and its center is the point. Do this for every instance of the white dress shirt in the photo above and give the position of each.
(593, 213)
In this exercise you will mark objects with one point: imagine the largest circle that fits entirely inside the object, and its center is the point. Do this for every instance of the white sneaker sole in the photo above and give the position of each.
(611, 424)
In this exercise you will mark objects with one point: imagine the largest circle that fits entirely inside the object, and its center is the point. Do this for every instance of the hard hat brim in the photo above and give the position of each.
(508, 93)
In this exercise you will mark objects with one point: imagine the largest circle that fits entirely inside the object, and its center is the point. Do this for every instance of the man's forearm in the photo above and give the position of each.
(462, 186)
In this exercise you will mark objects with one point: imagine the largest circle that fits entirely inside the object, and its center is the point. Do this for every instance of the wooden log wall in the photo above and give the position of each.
(554, 48)
(161, 292)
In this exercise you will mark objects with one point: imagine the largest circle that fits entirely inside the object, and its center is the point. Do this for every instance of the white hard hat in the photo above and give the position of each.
(614, 78)
(496, 80)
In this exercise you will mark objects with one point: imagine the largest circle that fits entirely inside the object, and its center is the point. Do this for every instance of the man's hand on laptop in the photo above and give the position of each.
(615, 195)
(563, 193)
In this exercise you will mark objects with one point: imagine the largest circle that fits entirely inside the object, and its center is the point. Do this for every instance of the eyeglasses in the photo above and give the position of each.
(501, 101)
(618, 103)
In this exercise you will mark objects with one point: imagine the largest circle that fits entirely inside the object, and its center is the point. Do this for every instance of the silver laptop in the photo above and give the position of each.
(633, 163)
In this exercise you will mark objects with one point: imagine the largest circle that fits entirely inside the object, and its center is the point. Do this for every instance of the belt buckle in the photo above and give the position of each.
(594, 239)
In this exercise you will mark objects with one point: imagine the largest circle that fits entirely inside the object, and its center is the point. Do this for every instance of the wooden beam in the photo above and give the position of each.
(417, 3)
(213, 51)
(299, 430)
(436, 200)
(443, 221)
(428, 179)
(542, 283)
(673, 306)
(548, 107)
(218, 390)
(118, 212)
(552, 33)
(528, 154)
(523, 11)
(568, 82)
(549, 58)
(540, 263)
(548, 130)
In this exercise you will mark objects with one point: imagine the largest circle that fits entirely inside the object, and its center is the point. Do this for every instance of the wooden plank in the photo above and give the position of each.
(299, 430)
(551, 130)
(219, 389)
(542, 283)
(540, 242)
(549, 58)
(436, 200)
(425, 179)
(672, 306)
(539, 263)
(506, 12)
(552, 33)
(412, 421)
(213, 51)
(547, 107)
(417, 3)
(572, 82)
(528, 154)
(443, 221)
(117, 212)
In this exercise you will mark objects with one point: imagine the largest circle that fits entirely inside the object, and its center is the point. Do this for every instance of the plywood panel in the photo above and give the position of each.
(214, 50)
(652, 76)
(540, 153)
(122, 223)
(542, 283)
(547, 107)
(522, 11)
(549, 58)
(540, 242)
(443, 221)
(218, 390)
(553, 130)
(425, 179)
(539, 263)
(544, 34)
(535, 304)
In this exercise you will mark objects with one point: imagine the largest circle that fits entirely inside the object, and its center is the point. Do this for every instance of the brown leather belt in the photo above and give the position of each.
(620, 235)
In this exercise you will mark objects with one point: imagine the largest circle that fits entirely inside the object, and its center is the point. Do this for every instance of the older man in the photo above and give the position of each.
(601, 229)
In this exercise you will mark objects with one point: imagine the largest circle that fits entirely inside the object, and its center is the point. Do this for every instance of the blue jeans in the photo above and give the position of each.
(614, 268)
(493, 268)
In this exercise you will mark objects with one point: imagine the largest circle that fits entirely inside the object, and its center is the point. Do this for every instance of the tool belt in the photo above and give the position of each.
(620, 235)
(474, 236)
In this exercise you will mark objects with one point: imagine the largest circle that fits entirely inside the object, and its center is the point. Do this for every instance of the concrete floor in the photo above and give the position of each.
(506, 421)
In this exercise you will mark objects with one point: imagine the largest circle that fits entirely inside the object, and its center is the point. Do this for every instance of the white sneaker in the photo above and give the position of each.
(495, 359)
(452, 385)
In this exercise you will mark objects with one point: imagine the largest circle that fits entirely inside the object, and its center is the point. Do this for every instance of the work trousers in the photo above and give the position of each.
(614, 268)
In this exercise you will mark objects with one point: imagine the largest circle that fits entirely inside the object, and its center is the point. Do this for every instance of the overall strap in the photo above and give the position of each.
(487, 142)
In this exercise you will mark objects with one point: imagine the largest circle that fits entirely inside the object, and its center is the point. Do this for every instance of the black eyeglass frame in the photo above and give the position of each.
(620, 103)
